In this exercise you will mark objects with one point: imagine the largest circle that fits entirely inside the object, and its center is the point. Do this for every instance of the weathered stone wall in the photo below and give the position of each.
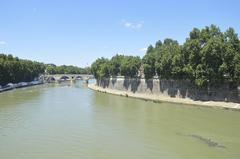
(172, 88)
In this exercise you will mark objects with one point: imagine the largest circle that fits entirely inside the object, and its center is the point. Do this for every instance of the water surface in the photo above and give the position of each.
(70, 121)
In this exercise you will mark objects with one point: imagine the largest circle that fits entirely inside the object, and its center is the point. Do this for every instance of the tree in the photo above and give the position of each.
(149, 60)
(237, 69)
(208, 57)
(211, 54)
(191, 57)
(104, 70)
(63, 69)
(100, 68)
(14, 70)
(130, 66)
(168, 61)
(150, 49)
(203, 55)
(232, 55)
(149, 65)
(158, 44)
(115, 64)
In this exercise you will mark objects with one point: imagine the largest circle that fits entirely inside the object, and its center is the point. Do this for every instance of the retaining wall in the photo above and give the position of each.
(171, 88)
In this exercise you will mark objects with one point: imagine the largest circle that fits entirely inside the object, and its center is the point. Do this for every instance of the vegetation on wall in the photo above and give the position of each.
(207, 57)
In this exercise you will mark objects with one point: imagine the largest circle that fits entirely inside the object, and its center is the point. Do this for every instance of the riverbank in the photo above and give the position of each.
(161, 98)
(12, 86)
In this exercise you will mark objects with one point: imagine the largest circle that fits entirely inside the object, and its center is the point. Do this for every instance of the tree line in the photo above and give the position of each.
(63, 69)
(118, 65)
(14, 70)
(208, 57)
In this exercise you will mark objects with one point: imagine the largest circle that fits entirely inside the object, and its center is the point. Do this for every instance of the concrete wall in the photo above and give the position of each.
(172, 88)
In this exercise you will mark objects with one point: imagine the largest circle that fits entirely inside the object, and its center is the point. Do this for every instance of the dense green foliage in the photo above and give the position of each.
(53, 69)
(130, 66)
(207, 57)
(119, 65)
(16, 70)
(115, 64)
(168, 60)
(100, 68)
(149, 61)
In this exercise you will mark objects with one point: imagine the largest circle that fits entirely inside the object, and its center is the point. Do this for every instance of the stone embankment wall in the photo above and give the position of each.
(171, 88)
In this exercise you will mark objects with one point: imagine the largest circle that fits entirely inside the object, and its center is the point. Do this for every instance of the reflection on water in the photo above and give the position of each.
(68, 120)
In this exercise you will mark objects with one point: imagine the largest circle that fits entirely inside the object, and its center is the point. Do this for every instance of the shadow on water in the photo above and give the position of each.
(204, 140)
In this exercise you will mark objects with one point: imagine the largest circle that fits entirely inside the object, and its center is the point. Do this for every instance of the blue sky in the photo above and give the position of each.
(77, 32)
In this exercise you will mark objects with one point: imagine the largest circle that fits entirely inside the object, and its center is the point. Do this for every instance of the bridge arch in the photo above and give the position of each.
(64, 77)
(51, 79)
(78, 78)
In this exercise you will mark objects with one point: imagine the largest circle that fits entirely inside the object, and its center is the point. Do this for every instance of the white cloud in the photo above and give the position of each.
(132, 25)
(3, 42)
(143, 49)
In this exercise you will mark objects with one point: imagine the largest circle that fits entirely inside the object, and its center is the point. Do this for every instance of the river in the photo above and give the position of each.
(69, 121)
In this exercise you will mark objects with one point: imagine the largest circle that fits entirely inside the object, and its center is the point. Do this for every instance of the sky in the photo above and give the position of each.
(77, 32)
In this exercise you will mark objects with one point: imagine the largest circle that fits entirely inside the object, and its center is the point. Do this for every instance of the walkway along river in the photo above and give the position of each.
(71, 121)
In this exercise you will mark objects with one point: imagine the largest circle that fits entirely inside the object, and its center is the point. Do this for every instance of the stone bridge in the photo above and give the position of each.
(67, 77)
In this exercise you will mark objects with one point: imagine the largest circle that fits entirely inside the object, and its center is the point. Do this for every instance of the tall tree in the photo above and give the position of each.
(115, 64)
(130, 66)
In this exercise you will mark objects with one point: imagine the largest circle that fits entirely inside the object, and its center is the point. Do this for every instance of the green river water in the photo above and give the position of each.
(69, 121)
